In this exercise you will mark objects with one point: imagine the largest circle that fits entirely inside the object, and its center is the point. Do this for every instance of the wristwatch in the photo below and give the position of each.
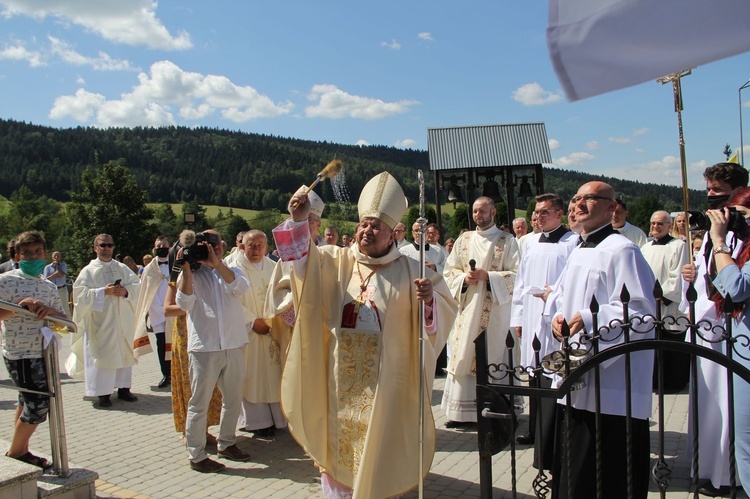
(722, 249)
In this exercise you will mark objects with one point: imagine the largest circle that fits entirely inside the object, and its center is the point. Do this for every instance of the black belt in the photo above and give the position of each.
(63, 286)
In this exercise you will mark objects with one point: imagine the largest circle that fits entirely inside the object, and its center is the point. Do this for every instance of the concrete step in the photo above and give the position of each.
(20, 480)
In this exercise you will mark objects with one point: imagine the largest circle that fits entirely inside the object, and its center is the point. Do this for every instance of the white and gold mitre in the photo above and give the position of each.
(316, 204)
(383, 198)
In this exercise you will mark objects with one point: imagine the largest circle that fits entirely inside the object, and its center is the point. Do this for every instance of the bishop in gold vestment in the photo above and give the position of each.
(350, 387)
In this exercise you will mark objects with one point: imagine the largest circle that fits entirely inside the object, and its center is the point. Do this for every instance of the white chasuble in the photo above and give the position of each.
(107, 320)
(262, 352)
(481, 308)
(666, 261)
(351, 395)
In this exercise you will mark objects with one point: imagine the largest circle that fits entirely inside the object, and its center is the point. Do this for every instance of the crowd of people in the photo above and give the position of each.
(323, 337)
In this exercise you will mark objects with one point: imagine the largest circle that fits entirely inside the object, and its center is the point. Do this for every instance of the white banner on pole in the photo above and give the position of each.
(597, 46)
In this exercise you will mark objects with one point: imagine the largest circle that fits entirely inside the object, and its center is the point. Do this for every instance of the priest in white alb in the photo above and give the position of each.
(666, 255)
(261, 394)
(481, 272)
(351, 384)
(104, 297)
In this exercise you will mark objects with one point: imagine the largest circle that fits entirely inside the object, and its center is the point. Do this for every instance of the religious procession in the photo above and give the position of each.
(339, 345)
(570, 354)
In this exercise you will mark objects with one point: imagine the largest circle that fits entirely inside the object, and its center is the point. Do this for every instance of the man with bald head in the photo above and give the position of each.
(480, 272)
(261, 406)
(399, 232)
(599, 267)
(666, 255)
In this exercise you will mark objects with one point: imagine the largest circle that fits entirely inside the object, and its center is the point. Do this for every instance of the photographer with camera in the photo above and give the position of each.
(721, 180)
(210, 293)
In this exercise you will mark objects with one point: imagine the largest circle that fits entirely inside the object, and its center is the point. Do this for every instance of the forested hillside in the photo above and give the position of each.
(243, 170)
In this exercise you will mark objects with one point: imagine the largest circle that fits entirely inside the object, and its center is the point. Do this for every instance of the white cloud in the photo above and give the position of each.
(553, 144)
(362, 142)
(640, 150)
(80, 80)
(331, 102)
(130, 22)
(80, 106)
(21, 53)
(405, 144)
(592, 145)
(102, 63)
(532, 94)
(640, 131)
(620, 140)
(151, 101)
(393, 44)
(573, 159)
(426, 36)
(746, 103)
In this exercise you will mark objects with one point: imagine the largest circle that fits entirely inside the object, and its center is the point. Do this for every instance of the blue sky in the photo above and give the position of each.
(349, 72)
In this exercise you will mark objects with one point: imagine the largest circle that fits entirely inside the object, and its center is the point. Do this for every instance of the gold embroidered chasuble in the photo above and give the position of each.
(352, 395)
(480, 308)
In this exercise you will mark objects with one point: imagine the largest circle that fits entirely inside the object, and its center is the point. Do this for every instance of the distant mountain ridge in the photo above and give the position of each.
(238, 169)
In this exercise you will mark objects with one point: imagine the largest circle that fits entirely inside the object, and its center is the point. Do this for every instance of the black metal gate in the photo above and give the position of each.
(497, 384)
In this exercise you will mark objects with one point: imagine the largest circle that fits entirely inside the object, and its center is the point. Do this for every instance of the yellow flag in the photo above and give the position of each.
(734, 158)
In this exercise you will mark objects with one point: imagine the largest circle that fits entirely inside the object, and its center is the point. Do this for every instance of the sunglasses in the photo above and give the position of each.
(106, 245)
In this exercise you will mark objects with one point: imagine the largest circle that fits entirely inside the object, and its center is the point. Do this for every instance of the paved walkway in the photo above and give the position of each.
(135, 450)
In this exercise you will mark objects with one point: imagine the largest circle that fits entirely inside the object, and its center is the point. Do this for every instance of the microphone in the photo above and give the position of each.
(473, 264)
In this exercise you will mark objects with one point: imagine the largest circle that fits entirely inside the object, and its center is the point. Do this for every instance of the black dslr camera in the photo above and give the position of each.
(195, 252)
(699, 221)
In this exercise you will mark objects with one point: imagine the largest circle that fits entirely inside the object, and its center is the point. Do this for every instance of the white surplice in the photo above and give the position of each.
(713, 431)
(601, 272)
(541, 265)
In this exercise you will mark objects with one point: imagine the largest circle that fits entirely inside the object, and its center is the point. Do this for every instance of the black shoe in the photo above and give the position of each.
(526, 439)
(264, 432)
(165, 382)
(104, 401)
(234, 453)
(709, 490)
(458, 424)
(124, 394)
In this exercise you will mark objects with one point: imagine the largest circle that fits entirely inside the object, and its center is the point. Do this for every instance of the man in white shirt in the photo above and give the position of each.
(621, 225)
(210, 293)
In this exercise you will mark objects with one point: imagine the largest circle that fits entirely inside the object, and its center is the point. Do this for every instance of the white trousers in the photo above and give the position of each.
(225, 368)
(103, 381)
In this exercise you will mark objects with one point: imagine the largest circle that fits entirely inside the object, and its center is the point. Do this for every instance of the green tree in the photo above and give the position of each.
(265, 221)
(461, 219)
(109, 202)
(165, 222)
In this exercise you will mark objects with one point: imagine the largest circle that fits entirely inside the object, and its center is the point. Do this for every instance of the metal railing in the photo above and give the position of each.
(497, 384)
(58, 439)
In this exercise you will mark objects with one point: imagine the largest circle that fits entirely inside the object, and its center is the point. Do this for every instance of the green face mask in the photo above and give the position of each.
(32, 267)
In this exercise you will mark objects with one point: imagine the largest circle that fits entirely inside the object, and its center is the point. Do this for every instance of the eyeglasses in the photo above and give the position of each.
(543, 213)
(106, 245)
(588, 198)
